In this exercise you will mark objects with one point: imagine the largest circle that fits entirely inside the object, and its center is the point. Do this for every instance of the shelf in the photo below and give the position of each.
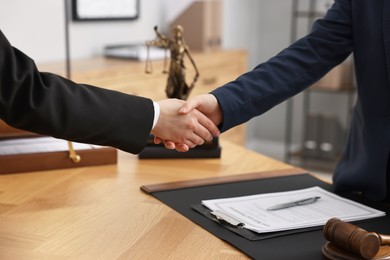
(340, 81)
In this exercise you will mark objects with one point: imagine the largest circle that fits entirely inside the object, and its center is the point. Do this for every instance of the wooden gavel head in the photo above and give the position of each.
(353, 239)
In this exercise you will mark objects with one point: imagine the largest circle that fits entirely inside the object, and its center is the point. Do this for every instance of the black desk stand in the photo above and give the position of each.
(210, 149)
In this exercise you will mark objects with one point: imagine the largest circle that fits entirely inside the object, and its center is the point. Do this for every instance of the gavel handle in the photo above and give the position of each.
(385, 239)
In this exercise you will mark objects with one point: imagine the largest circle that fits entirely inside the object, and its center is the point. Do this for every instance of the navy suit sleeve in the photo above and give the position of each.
(48, 104)
(291, 71)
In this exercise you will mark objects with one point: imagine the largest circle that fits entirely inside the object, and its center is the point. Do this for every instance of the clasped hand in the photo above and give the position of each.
(185, 124)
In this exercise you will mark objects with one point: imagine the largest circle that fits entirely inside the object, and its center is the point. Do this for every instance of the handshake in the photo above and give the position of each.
(185, 124)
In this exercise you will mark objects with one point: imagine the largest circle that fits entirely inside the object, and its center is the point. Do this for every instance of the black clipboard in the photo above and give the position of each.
(297, 244)
(246, 233)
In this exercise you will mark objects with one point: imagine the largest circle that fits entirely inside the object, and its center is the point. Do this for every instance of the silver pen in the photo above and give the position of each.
(294, 203)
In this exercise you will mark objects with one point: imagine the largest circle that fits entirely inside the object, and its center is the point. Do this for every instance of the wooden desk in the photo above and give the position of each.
(101, 213)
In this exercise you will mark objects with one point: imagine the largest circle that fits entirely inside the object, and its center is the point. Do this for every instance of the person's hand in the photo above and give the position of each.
(186, 130)
(207, 104)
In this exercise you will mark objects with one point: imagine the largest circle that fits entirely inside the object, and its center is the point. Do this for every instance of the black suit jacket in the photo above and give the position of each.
(358, 26)
(48, 104)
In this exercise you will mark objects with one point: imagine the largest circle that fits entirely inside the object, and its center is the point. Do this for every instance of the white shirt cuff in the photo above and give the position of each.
(156, 113)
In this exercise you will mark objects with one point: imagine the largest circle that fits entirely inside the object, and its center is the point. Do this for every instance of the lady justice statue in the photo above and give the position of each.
(176, 83)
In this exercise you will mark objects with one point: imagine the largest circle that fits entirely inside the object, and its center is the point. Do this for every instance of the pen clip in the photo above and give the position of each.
(294, 203)
(307, 201)
(222, 216)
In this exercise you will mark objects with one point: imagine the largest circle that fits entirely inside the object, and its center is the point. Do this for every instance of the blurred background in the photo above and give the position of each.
(262, 27)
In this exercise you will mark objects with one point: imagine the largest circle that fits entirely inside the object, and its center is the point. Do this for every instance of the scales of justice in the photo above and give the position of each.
(176, 85)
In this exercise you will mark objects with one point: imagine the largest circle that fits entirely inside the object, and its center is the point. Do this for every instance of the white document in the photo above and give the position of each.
(39, 145)
(252, 211)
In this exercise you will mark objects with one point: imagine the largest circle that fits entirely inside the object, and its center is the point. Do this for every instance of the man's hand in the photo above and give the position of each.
(187, 129)
(207, 104)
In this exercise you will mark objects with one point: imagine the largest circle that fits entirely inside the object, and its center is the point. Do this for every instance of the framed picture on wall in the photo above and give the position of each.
(100, 10)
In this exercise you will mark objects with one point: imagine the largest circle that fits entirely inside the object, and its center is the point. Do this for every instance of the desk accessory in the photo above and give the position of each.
(302, 244)
(300, 213)
(22, 151)
(221, 216)
(177, 87)
(347, 241)
(209, 149)
(301, 202)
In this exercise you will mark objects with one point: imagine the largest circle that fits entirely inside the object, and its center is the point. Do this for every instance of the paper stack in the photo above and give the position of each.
(253, 213)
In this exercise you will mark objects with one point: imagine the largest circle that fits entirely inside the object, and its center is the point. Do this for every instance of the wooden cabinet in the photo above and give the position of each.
(216, 68)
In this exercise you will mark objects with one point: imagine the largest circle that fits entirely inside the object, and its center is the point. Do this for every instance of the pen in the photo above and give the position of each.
(295, 203)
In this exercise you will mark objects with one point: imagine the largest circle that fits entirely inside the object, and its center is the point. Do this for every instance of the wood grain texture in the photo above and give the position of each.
(100, 212)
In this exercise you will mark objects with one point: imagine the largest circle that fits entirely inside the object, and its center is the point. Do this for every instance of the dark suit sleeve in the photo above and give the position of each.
(291, 71)
(48, 104)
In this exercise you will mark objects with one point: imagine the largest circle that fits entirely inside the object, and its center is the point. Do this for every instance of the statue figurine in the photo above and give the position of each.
(176, 83)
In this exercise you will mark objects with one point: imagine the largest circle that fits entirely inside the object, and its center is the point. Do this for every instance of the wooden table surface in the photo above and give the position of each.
(101, 213)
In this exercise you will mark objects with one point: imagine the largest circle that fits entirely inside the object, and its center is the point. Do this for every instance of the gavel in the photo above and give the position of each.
(353, 239)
